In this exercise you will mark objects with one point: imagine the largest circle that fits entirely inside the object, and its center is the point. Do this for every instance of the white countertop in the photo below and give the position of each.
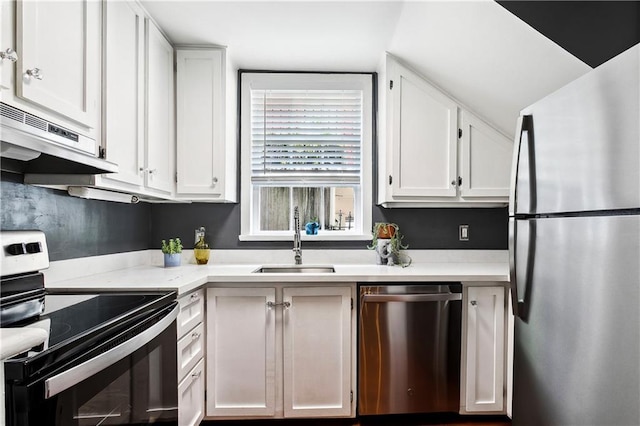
(186, 278)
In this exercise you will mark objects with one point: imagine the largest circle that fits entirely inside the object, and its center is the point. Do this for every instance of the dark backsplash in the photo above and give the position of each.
(426, 228)
(78, 228)
(74, 227)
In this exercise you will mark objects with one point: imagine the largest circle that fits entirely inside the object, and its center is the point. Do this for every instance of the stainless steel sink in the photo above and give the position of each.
(295, 269)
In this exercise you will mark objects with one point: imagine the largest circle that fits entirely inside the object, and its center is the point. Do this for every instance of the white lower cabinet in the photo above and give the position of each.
(317, 351)
(483, 375)
(191, 344)
(280, 351)
(191, 397)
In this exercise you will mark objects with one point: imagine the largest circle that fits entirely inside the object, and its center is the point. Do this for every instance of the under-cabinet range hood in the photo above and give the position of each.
(30, 144)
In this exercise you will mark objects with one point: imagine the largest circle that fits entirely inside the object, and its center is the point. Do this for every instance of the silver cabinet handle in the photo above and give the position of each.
(35, 73)
(285, 305)
(146, 170)
(194, 297)
(80, 372)
(381, 298)
(9, 55)
(473, 303)
(214, 181)
(196, 375)
(195, 336)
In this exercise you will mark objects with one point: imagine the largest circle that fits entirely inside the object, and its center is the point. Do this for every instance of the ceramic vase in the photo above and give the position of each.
(171, 260)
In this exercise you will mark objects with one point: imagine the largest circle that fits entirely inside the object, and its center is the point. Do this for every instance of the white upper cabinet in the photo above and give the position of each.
(58, 46)
(123, 91)
(485, 159)
(434, 152)
(160, 125)
(50, 62)
(137, 107)
(202, 169)
(423, 129)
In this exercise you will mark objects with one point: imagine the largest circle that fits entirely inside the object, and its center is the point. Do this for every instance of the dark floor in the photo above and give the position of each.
(392, 420)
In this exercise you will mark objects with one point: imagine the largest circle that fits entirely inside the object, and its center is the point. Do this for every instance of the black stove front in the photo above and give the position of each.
(109, 359)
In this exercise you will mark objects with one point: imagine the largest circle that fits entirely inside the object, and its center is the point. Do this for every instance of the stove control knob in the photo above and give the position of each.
(34, 248)
(16, 249)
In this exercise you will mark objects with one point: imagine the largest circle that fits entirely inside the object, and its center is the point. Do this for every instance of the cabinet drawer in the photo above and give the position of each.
(191, 311)
(191, 397)
(190, 350)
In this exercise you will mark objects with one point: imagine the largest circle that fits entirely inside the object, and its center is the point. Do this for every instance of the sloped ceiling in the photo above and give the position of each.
(482, 55)
(477, 51)
(594, 31)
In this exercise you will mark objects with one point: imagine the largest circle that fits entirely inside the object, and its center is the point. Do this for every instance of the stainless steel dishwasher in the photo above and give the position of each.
(409, 348)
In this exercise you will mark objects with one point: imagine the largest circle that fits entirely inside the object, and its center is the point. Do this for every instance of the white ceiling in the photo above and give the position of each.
(485, 57)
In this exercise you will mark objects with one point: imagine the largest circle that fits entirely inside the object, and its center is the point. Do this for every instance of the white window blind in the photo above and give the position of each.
(308, 137)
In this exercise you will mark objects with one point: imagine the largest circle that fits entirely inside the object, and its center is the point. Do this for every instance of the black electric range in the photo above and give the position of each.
(98, 345)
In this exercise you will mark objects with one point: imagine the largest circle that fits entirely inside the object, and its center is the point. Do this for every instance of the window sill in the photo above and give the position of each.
(320, 237)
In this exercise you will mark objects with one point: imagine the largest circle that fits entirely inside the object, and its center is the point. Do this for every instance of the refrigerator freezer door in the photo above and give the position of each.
(583, 142)
(577, 348)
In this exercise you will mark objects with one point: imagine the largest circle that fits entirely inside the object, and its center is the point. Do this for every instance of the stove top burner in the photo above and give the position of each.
(65, 321)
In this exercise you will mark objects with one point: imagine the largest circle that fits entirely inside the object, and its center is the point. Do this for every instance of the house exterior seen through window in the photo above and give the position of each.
(306, 141)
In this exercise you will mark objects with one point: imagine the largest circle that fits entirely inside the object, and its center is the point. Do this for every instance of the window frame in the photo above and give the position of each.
(312, 81)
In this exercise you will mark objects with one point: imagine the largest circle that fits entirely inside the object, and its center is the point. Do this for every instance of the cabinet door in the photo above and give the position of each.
(317, 351)
(7, 41)
(485, 349)
(123, 90)
(58, 46)
(486, 160)
(200, 126)
(424, 137)
(191, 397)
(240, 352)
(191, 311)
(190, 350)
(160, 146)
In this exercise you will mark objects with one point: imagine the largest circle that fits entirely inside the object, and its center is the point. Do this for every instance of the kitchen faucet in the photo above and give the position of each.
(297, 247)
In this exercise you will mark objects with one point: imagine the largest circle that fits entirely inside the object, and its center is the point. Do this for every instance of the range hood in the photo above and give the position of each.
(30, 144)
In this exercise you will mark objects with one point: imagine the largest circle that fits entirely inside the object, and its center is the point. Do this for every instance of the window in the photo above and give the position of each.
(306, 142)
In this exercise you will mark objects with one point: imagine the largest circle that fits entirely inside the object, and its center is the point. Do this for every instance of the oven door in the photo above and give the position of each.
(133, 381)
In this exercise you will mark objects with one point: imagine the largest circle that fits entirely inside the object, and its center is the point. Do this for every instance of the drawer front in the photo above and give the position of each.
(190, 350)
(191, 397)
(191, 311)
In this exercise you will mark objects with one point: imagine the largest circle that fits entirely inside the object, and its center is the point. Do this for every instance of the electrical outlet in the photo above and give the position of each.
(463, 232)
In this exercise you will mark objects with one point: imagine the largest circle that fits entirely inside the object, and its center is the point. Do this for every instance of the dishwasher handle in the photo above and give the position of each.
(437, 297)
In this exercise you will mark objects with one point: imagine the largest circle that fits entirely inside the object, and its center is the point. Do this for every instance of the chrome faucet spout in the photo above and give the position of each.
(297, 244)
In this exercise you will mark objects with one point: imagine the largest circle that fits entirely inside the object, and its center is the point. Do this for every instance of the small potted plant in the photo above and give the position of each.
(172, 251)
(387, 242)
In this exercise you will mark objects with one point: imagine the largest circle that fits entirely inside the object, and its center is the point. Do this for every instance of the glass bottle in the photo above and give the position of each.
(201, 251)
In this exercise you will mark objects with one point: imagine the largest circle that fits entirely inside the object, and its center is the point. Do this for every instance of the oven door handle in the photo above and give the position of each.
(80, 372)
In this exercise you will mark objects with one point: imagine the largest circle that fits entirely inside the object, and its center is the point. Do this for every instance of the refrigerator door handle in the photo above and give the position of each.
(514, 169)
(522, 125)
(513, 282)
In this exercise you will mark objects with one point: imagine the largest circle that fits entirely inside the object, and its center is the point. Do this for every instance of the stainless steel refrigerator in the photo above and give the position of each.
(574, 224)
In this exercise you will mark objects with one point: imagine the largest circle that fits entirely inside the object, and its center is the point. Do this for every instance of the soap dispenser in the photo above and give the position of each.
(201, 249)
